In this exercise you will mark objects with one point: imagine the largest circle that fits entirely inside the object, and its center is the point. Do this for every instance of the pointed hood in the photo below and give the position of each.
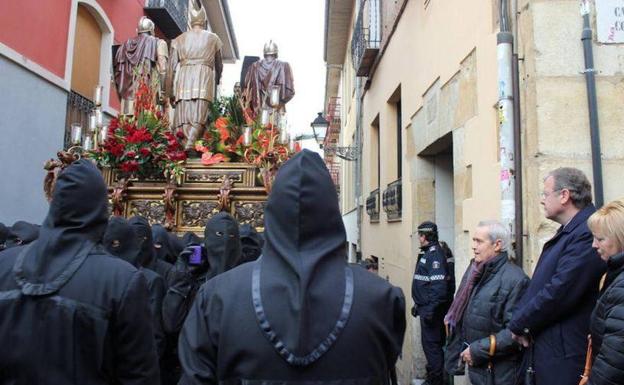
(121, 241)
(22, 233)
(143, 230)
(222, 243)
(164, 248)
(303, 270)
(73, 227)
(251, 244)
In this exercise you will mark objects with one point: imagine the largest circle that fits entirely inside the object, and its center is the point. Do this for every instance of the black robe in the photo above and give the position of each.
(164, 245)
(70, 312)
(121, 241)
(251, 244)
(299, 314)
(148, 257)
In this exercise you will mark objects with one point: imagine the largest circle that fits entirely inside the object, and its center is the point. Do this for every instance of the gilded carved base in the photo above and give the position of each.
(204, 191)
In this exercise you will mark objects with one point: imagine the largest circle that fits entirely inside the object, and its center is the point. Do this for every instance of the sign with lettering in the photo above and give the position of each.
(610, 21)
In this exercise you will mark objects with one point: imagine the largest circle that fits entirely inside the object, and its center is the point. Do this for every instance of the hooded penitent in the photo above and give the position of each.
(121, 241)
(190, 238)
(73, 227)
(251, 243)
(4, 234)
(164, 248)
(222, 243)
(143, 230)
(22, 233)
(303, 269)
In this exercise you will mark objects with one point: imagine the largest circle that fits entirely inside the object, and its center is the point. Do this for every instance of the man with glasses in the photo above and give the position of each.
(554, 312)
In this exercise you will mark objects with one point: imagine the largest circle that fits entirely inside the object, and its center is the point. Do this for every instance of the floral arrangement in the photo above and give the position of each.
(142, 145)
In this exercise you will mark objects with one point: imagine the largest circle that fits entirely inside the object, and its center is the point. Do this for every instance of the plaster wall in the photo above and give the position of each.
(555, 116)
(29, 138)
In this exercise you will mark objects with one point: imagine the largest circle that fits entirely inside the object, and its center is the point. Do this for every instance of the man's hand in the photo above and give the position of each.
(522, 340)
(466, 357)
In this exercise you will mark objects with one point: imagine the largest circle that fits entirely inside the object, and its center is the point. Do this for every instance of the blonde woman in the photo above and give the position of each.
(607, 321)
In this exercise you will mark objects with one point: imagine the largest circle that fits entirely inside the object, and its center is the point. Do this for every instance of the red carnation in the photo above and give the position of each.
(129, 166)
(130, 154)
(145, 151)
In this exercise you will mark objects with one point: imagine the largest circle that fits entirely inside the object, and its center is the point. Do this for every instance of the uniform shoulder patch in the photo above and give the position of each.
(436, 265)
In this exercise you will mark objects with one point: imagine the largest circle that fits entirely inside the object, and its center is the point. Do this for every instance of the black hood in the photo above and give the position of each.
(190, 238)
(222, 243)
(121, 241)
(251, 243)
(303, 267)
(22, 233)
(163, 244)
(75, 223)
(143, 230)
(4, 234)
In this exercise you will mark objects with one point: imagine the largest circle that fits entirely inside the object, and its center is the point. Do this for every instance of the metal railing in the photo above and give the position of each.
(78, 109)
(392, 200)
(366, 39)
(372, 205)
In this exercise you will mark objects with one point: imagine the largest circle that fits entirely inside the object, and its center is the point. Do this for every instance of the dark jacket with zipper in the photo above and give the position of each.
(487, 314)
(607, 327)
(299, 314)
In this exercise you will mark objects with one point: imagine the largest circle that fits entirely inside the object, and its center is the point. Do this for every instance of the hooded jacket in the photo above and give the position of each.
(71, 313)
(299, 314)
(121, 241)
(221, 251)
(147, 257)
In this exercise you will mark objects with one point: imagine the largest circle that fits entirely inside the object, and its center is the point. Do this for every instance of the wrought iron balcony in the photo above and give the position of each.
(170, 16)
(372, 205)
(392, 200)
(366, 39)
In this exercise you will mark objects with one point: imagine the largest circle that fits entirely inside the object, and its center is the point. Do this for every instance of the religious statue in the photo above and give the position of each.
(143, 55)
(265, 74)
(194, 71)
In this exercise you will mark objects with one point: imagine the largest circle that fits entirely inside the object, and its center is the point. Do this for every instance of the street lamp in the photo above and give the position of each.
(319, 128)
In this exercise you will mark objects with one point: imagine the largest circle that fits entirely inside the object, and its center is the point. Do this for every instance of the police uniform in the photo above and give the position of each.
(432, 287)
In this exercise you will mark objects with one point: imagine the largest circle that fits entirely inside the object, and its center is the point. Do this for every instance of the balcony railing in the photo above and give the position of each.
(170, 16)
(372, 205)
(366, 38)
(392, 200)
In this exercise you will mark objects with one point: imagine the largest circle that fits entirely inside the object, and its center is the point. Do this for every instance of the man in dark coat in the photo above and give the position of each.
(148, 259)
(221, 252)
(432, 288)
(70, 312)
(22, 233)
(555, 310)
(300, 313)
(482, 309)
(121, 241)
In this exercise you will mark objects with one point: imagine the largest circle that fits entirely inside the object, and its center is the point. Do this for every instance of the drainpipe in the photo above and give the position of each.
(504, 53)
(519, 225)
(358, 159)
(592, 104)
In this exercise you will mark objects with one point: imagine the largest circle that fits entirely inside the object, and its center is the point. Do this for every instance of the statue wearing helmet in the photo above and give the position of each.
(194, 71)
(143, 55)
(265, 74)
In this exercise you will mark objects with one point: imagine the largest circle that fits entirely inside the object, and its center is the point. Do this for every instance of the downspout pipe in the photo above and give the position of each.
(358, 159)
(506, 117)
(519, 225)
(592, 104)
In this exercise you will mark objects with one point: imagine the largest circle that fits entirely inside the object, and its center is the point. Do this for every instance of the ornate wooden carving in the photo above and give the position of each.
(196, 213)
(213, 176)
(118, 197)
(169, 200)
(250, 212)
(152, 210)
(224, 195)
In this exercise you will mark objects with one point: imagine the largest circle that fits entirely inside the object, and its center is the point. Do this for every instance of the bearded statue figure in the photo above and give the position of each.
(265, 74)
(143, 55)
(194, 71)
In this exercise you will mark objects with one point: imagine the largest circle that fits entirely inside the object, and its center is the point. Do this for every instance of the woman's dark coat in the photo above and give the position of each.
(299, 314)
(488, 313)
(607, 328)
(70, 313)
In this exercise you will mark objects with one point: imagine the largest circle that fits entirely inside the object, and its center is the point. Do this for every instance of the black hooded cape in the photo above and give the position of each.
(148, 259)
(22, 233)
(251, 244)
(165, 245)
(71, 313)
(221, 252)
(299, 314)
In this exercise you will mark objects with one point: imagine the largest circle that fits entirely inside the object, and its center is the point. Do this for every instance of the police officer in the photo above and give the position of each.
(431, 289)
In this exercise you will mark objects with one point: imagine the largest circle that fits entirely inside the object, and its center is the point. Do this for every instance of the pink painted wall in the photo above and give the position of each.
(38, 29)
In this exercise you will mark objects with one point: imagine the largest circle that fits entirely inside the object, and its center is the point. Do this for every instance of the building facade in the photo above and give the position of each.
(52, 55)
(419, 91)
